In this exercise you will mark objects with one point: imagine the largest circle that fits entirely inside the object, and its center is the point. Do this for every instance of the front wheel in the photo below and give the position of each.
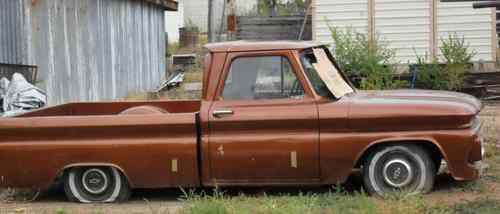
(406, 168)
(96, 185)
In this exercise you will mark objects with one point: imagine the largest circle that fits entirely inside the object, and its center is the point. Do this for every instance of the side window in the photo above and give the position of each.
(269, 77)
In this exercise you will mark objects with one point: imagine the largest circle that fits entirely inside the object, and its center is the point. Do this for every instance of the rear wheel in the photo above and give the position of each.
(406, 168)
(96, 185)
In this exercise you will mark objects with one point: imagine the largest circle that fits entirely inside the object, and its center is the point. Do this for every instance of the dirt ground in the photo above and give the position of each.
(447, 191)
(54, 201)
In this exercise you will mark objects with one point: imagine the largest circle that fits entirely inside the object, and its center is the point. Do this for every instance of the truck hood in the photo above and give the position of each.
(412, 110)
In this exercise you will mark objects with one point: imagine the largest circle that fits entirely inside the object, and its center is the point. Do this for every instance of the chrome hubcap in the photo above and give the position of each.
(95, 181)
(397, 173)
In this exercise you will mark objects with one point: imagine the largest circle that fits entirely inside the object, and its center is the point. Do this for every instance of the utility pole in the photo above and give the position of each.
(274, 10)
(211, 36)
(231, 20)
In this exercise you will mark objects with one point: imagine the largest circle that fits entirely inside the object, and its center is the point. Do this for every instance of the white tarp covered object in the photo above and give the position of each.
(175, 80)
(21, 96)
(4, 84)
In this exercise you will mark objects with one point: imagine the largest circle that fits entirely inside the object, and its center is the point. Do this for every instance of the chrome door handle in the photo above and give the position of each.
(222, 112)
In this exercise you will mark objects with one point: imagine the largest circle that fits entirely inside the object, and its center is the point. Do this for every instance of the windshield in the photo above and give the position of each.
(324, 76)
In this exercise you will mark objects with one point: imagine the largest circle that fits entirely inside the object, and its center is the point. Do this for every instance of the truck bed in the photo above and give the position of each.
(37, 147)
(113, 108)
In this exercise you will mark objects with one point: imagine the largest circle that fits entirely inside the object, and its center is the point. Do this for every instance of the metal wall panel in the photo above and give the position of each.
(341, 14)
(406, 25)
(13, 41)
(475, 25)
(88, 50)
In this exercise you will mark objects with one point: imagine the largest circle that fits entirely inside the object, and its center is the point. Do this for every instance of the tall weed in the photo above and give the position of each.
(450, 74)
(367, 63)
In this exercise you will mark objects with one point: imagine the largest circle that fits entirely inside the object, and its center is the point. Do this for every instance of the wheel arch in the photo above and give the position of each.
(429, 144)
(74, 165)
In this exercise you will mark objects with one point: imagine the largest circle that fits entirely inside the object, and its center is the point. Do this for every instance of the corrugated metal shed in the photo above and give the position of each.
(86, 50)
(410, 26)
(13, 41)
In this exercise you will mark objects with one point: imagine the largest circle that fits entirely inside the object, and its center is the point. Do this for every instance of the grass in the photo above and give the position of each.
(61, 211)
(477, 186)
(18, 194)
(332, 202)
(482, 205)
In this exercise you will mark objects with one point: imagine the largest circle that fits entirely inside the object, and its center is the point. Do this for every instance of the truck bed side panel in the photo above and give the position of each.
(151, 150)
(113, 108)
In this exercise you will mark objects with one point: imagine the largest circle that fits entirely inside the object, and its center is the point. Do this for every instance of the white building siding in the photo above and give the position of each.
(410, 26)
(475, 25)
(406, 24)
(341, 14)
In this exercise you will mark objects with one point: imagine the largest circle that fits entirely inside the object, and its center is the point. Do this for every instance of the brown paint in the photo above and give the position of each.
(314, 140)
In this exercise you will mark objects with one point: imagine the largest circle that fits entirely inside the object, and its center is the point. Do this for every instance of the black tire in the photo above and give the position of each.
(96, 185)
(407, 168)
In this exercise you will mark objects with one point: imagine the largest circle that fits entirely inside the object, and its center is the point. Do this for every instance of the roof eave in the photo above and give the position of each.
(169, 5)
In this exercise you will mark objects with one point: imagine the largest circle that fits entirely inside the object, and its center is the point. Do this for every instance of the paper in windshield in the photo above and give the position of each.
(330, 75)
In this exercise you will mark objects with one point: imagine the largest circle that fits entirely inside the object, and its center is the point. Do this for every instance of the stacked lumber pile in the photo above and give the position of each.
(484, 85)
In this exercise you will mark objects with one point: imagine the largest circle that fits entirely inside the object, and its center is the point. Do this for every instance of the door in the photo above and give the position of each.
(263, 125)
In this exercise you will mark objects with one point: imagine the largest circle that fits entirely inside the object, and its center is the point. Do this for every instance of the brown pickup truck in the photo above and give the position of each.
(271, 114)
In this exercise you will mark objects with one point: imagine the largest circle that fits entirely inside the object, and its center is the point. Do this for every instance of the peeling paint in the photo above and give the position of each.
(175, 167)
(293, 159)
(220, 150)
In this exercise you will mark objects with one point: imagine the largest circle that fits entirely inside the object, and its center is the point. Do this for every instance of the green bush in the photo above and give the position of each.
(429, 75)
(455, 50)
(451, 74)
(368, 63)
